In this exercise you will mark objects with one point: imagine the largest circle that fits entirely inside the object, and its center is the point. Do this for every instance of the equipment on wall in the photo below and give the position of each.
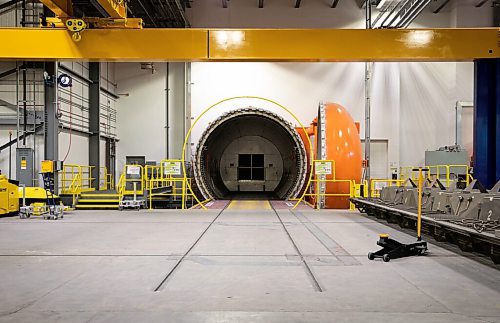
(65, 80)
(24, 167)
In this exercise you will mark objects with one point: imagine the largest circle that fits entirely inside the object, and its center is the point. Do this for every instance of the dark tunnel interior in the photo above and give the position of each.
(251, 156)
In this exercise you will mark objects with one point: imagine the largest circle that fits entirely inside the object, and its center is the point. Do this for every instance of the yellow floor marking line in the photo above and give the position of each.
(249, 205)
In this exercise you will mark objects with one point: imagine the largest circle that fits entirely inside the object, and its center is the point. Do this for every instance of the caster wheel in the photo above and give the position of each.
(386, 258)
(371, 256)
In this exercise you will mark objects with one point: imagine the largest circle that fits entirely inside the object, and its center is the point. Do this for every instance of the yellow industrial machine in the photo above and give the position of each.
(9, 197)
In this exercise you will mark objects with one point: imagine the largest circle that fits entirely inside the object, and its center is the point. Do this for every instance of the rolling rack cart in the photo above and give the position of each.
(53, 211)
(392, 249)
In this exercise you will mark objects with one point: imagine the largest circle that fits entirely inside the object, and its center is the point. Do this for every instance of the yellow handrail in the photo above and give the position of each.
(442, 172)
(82, 174)
(318, 194)
(106, 179)
(121, 186)
(375, 189)
(184, 193)
(75, 188)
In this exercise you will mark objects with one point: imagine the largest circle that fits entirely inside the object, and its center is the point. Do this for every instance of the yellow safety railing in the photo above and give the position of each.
(315, 185)
(106, 179)
(140, 181)
(361, 189)
(317, 194)
(75, 188)
(170, 174)
(121, 186)
(176, 190)
(76, 179)
(447, 174)
(377, 184)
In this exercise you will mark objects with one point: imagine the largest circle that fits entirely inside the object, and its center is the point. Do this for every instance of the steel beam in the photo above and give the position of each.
(100, 44)
(94, 124)
(51, 124)
(354, 45)
(487, 121)
(348, 45)
(110, 158)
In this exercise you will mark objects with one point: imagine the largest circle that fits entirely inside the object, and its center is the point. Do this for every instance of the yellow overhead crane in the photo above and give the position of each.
(119, 38)
(306, 45)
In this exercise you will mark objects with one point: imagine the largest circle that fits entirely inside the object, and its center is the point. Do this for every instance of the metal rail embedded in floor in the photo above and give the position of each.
(307, 269)
(171, 272)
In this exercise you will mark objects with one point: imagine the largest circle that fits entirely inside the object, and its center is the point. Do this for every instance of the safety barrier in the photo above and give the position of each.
(318, 194)
(175, 189)
(106, 181)
(168, 175)
(447, 174)
(76, 179)
(361, 189)
(377, 184)
(317, 185)
(139, 181)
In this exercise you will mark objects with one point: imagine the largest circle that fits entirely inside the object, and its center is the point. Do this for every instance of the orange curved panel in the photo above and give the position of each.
(343, 145)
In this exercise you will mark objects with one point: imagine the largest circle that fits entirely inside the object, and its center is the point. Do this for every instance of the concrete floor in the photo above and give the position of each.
(105, 265)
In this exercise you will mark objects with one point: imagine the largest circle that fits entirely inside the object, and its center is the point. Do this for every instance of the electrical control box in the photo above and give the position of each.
(50, 166)
(24, 166)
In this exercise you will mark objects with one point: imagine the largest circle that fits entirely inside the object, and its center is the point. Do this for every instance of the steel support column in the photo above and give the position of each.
(178, 108)
(487, 121)
(51, 124)
(110, 159)
(368, 75)
(94, 112)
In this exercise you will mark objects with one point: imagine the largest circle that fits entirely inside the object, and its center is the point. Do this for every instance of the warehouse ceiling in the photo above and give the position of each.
(160, 13)
(154, 13)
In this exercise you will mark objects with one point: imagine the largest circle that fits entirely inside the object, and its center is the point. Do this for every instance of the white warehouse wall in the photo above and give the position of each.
(141, 115)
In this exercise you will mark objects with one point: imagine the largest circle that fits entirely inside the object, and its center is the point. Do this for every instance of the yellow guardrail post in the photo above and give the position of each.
(183, 183)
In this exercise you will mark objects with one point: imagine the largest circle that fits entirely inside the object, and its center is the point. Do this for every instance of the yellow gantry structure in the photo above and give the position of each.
(329, 45)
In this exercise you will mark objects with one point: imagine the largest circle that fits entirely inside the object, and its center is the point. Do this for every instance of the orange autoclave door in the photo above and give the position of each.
(342, 144)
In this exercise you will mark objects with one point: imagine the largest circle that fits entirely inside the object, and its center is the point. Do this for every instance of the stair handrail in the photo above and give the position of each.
(75, 188)
(120, 187)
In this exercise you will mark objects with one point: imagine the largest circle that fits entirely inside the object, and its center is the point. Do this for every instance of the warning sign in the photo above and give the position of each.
(323, 167)
(172, 168)
(133, 170)
(24, 164)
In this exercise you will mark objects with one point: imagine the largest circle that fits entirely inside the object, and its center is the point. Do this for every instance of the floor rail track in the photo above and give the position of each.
(171, 272)
(307, 269)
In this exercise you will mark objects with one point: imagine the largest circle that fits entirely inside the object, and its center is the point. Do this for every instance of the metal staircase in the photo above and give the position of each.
(98, 200)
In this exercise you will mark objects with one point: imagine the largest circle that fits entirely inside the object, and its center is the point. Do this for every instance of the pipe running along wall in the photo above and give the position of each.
(250, 150)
